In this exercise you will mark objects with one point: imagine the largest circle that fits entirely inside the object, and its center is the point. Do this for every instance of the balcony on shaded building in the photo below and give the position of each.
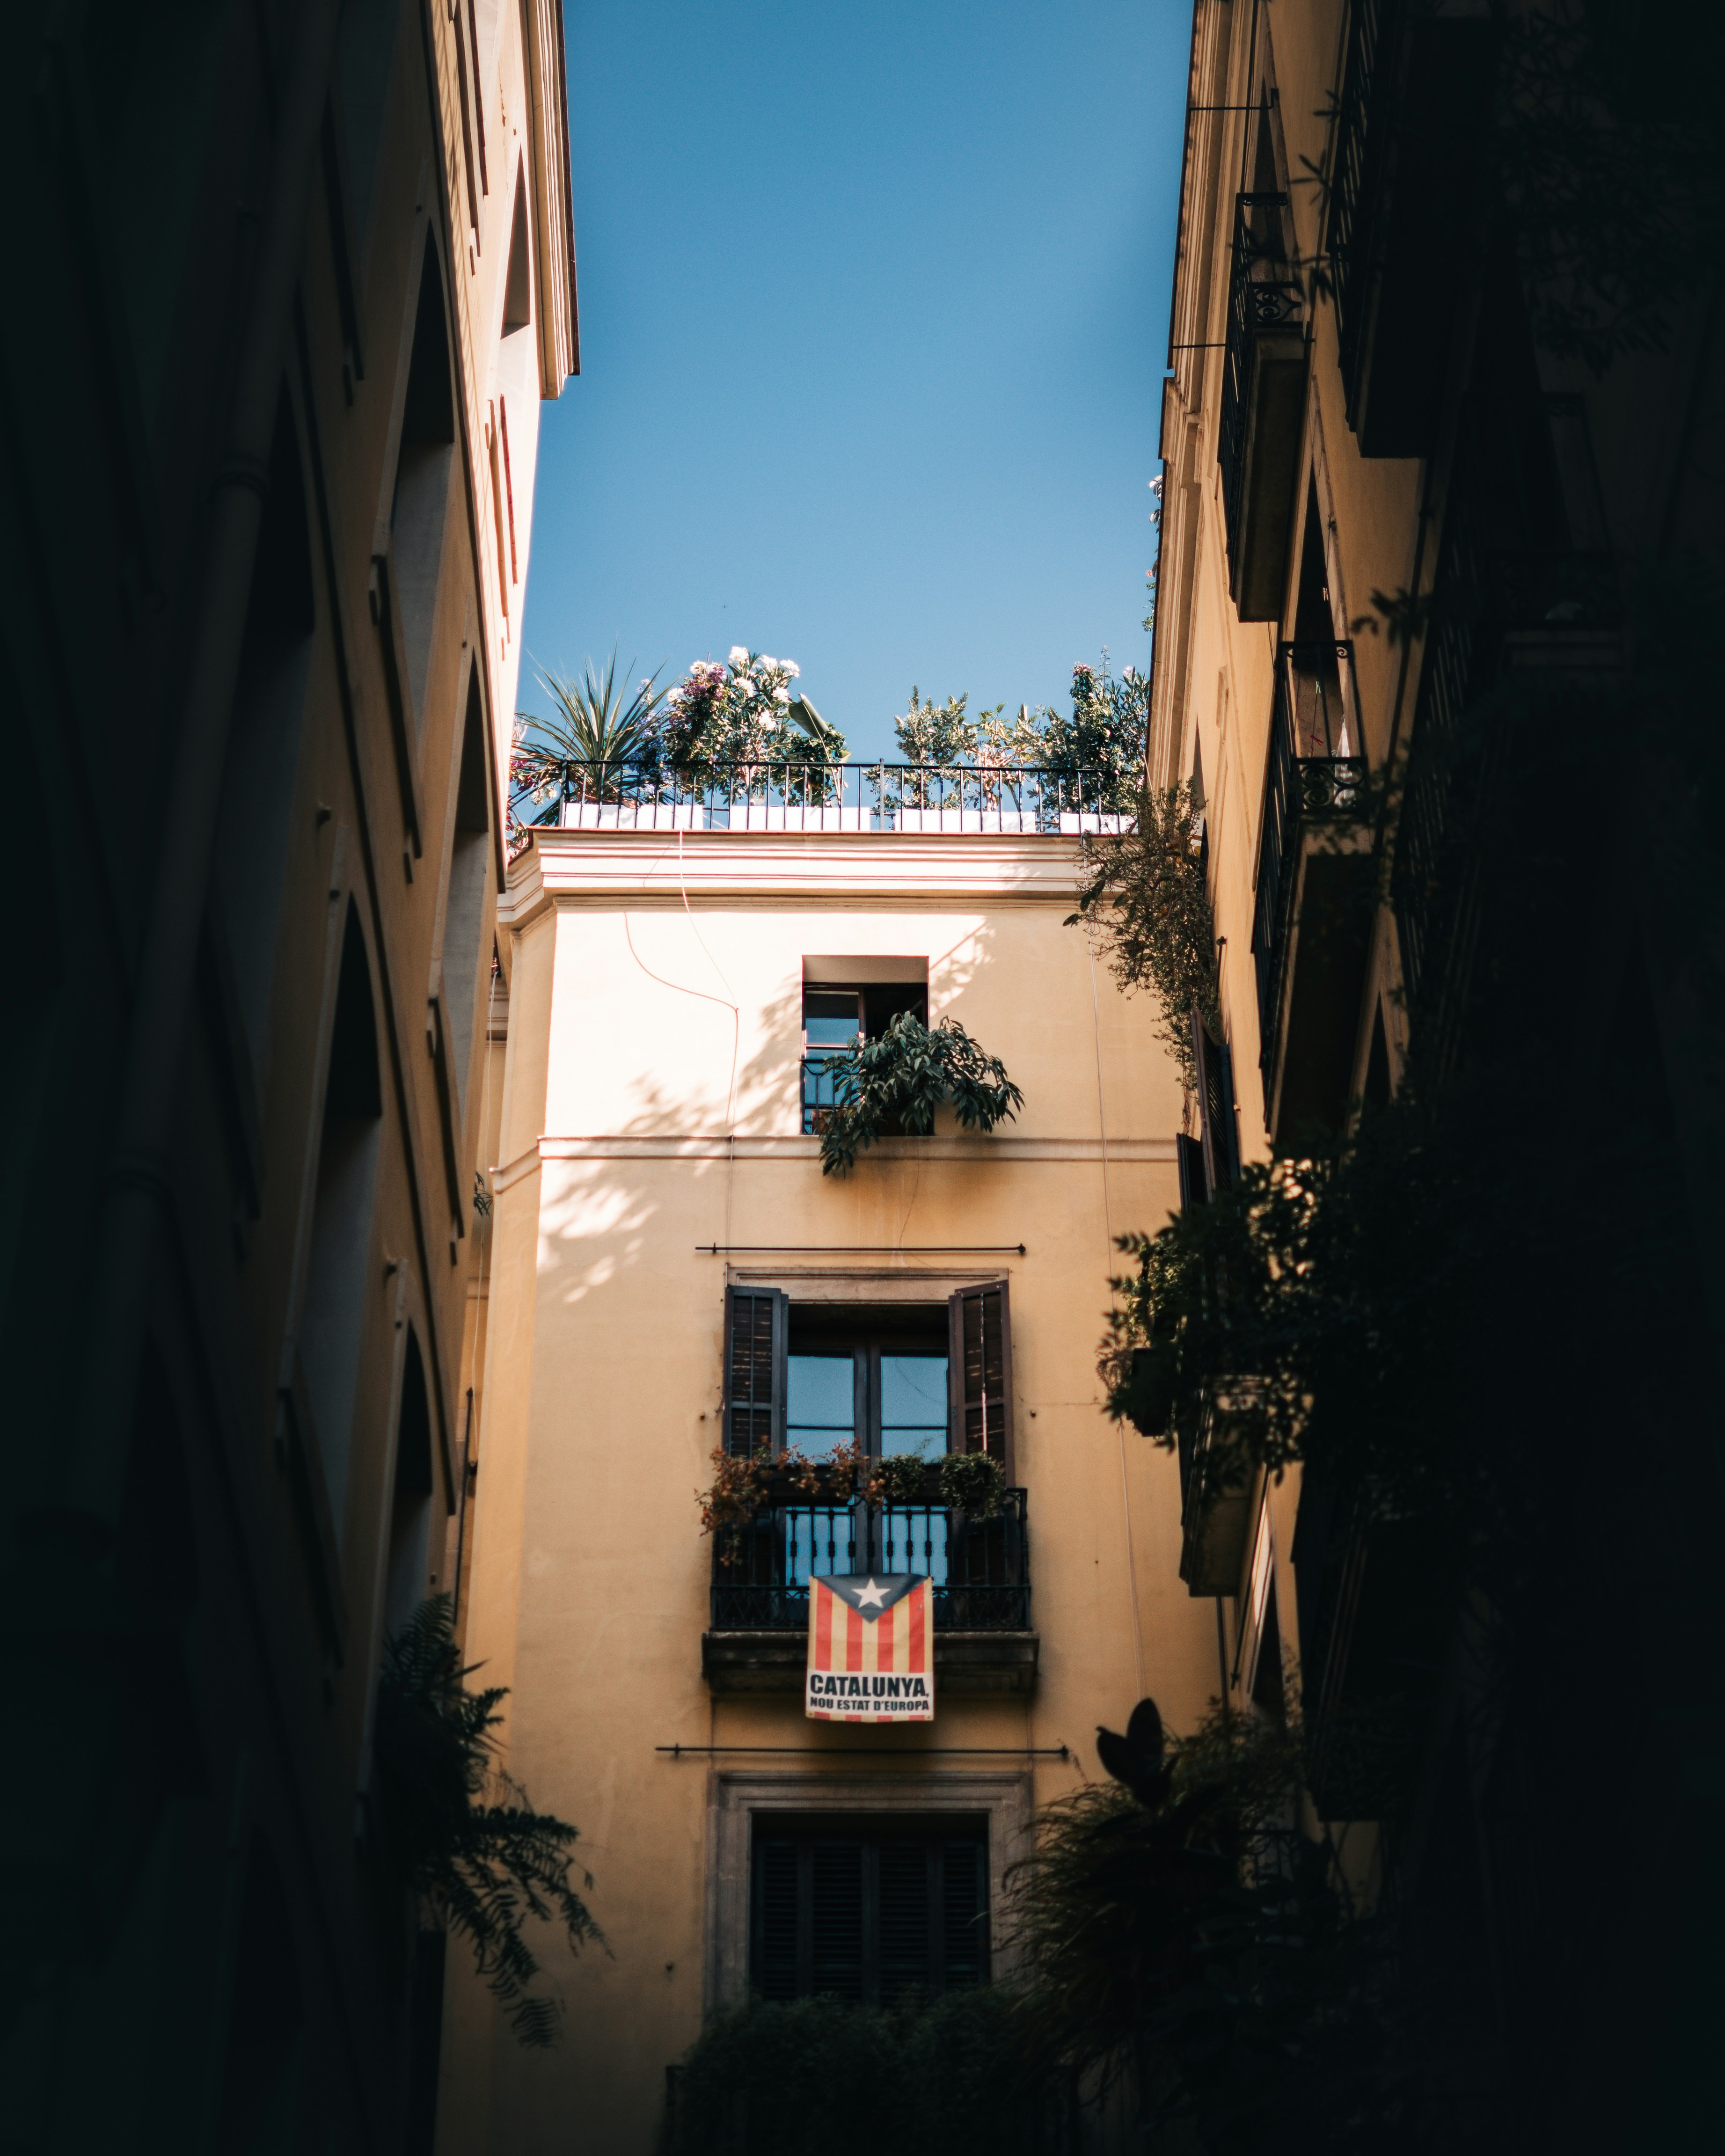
(1216, 1484)
(1312, 928)
(1411, 120)
(1263, 404)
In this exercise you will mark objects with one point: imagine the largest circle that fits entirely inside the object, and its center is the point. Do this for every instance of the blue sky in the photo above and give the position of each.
(874, 302)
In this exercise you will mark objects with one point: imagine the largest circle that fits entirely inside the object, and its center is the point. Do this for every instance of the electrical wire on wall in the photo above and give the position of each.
(726, 1002)
(484, 1201)
(1125, 1508)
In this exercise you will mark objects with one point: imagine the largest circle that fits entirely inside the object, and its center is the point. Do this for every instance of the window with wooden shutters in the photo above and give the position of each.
(1215, 1107)
(870, 1913)
(980, 1365)
(755, 1324)
(1194, 1185)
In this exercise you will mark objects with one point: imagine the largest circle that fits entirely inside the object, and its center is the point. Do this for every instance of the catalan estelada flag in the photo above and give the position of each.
(872, 1648)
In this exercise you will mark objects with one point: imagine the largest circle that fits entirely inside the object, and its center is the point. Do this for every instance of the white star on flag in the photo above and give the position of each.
(871, 1596)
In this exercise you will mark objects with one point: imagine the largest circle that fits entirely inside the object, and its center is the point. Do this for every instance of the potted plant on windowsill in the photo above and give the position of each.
(893, 1087)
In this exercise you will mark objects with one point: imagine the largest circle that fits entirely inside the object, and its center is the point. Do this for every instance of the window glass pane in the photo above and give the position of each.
(913, 1404)
(820, 1413)
(830, 1020)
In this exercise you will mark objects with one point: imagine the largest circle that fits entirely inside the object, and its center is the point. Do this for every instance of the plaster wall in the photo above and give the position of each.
(590, 1589)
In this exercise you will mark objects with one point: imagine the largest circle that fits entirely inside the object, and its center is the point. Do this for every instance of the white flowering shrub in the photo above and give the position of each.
(741, 711)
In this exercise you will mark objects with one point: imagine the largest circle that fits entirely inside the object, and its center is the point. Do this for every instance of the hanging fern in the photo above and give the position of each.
(892, 1087)
(1143, 895)
(465, 1834)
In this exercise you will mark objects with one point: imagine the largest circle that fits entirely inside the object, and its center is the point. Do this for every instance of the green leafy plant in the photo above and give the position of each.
(744, 1485)
(1192, 1948)
(464, 1835)
(1102, 742)
(943, 735)
(739, 711)
(1142, 895)
(893, 1085)
(972, 1483)
(903, 1478)
(597, 721)
(819, 2078)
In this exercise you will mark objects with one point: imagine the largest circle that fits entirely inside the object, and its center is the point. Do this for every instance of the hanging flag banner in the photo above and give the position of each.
(872, 1648)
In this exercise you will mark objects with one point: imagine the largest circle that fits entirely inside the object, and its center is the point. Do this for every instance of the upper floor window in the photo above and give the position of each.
(837, 1018)
(924, 1379)
(878, 1377)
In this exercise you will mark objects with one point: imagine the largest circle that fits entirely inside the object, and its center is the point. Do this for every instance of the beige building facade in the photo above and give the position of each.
(655, 1184)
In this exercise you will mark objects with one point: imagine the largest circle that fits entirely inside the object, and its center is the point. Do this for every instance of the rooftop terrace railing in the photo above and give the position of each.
(1009, 799)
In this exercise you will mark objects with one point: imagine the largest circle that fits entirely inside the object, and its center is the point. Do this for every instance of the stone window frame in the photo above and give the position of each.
(1005, 1797)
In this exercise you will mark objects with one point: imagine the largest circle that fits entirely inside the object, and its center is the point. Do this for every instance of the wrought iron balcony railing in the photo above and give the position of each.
(820, 1071)
(1263, 395)
(1315, 773)
(980, 1568)
(1010, 799)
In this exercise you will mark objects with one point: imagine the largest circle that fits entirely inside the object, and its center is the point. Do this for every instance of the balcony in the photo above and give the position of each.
(1215, 1501)
(1516, 594)
(1412, 109)
(983, 1642)
(1312, 928)
(1377, 1598)
(1263, 406)
(1012, 800)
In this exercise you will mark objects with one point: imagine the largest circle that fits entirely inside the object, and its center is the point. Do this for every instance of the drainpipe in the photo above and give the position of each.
(138, 1198)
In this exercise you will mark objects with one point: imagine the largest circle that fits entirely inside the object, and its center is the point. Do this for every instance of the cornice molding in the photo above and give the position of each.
(884, 869)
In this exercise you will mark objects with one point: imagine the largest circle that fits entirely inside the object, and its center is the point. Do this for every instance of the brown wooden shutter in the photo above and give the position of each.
(755, 1329)
(979, 1373)
(1194, 1185)
(1215, 1105)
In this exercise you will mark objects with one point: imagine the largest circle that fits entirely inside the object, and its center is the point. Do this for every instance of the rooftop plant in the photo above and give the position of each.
(742, 710)
(1143, 896)
(1103, 738)
(598, 720)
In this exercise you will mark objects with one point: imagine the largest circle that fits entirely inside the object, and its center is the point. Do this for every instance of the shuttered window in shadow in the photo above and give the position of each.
(872, 1912)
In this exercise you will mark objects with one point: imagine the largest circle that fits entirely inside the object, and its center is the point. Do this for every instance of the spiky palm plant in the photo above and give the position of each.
(463, 1833)
(598, 722)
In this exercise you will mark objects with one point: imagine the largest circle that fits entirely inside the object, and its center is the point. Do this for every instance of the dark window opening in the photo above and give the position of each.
(518, 281)
(332, 1329)
(874, 1912)
(262, 2072)
(1379, 1089)
(410, 1506)
(263, 757)
(1268, 1686)
(837, 1020)
(464, 910)
(1314, 619)
(424, 465)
